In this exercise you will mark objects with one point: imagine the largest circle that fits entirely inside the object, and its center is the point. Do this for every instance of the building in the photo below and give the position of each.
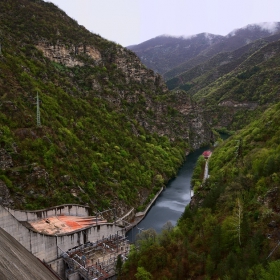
(207, 154)
(73, 244)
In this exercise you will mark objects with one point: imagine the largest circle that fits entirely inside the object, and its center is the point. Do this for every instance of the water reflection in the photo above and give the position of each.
(172, 201)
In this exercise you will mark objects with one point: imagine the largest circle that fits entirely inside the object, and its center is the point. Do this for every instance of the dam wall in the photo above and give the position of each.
(66, 209)
(44, 246)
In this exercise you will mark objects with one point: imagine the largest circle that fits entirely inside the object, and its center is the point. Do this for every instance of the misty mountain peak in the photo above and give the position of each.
(171, 55)
(268, 27)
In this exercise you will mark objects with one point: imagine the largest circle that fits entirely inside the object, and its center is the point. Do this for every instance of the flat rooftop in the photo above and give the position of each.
(64, 224)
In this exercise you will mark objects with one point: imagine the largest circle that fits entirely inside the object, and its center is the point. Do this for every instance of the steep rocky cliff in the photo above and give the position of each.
(133, 84)
(111, 133)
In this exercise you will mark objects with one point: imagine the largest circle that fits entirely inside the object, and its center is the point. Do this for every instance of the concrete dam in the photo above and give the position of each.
(72, 244)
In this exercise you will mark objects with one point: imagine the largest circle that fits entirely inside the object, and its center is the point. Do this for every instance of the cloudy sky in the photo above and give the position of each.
(130, 22)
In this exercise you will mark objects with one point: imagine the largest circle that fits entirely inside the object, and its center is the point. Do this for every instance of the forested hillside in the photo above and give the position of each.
(234, 88)
(234, 79)
(111, 133)
(231, 228)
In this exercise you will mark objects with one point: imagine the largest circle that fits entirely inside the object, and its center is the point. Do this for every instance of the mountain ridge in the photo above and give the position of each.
(111, 133)
(234, 40)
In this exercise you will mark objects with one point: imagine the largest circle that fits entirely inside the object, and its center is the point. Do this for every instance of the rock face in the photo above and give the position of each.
(95, 95)
(39, 173)
(188, 122)
(134, 70)
(199, 131)
(141, 85)
(230, 103)
(67, 55)
(5, 198)
(5, 160)
(160, 117)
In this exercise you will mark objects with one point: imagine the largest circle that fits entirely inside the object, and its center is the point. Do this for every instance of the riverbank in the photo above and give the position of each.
(170, 203)
(139, 216)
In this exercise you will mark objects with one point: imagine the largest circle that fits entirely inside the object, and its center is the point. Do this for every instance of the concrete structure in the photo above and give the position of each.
(66, 209)
(47, 247)
(17, 263)
(96, 260)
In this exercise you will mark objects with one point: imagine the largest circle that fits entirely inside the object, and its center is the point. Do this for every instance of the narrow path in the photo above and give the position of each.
(206, 170)
(207, 155)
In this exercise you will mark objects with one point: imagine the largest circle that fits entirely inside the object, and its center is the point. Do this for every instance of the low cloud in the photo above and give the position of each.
(269, 26)
(184, 37)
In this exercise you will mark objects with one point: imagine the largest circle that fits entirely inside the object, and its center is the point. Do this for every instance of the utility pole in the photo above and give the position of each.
(1, 38)
(38, 111)
(239, 151)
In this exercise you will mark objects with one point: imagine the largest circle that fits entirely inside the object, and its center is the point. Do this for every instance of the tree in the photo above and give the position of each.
(95, 170)
(143, 274)
(146, 238)
(119, 265)
(239, 151)
(238, 216)
(272, 272)
(158, 180)
(210, 266)
(168, 226)
(0, 42)
(232, 224)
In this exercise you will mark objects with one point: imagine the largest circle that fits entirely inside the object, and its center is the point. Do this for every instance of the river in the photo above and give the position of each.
(171, 203)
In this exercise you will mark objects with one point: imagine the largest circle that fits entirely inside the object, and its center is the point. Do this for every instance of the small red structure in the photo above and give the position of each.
(207, 154)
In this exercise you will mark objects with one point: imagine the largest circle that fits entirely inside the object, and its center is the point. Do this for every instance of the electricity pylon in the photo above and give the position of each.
(38, 112)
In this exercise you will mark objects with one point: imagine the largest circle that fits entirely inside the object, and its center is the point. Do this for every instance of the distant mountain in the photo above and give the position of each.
(234, 98)
(224, 78)
(171, 56)
(217, 66)
(235, 87)
(163, 53)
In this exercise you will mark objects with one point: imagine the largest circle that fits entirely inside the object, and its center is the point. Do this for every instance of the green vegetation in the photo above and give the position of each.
(234, 88)
(101, 143)
(92, 147)
(233, 233)
(198, 173)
